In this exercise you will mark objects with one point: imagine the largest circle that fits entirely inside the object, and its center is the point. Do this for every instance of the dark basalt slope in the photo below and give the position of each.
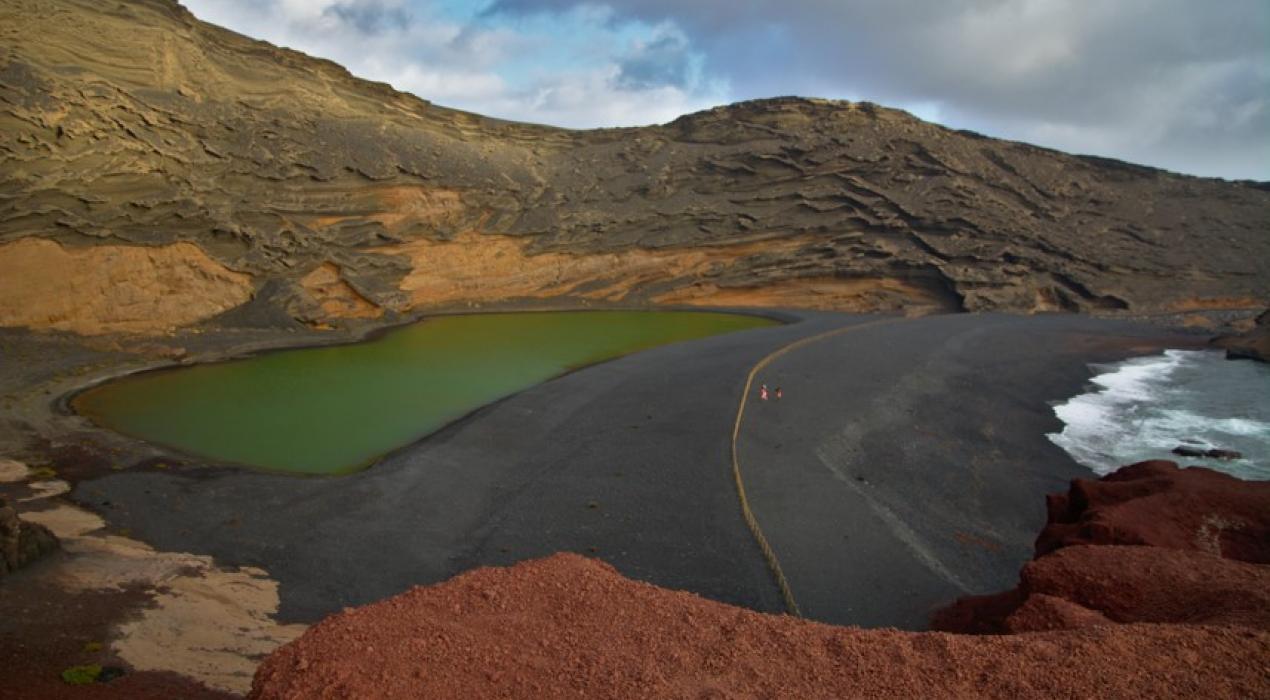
(329, 197)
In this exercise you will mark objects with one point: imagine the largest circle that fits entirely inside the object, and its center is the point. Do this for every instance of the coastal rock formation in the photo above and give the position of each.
(1252, 345)
(1159, 505)
(1147, 543)
(21, 542)
(570, 627)
(218, 168)
(1123, 584)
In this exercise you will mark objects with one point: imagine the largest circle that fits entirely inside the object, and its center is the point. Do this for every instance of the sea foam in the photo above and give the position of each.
(1144, 407)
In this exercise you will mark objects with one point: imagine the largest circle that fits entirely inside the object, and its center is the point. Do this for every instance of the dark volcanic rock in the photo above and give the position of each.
(136, 124)
(1188, 451)
(21, 542)
(1252, 345)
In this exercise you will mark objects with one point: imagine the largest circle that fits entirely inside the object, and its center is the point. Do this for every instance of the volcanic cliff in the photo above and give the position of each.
(159, 171)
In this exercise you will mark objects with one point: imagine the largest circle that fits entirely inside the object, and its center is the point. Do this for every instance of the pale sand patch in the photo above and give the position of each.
(214, 626)
(46, 489)
(12, 471)
(66, 521)
(206, 622)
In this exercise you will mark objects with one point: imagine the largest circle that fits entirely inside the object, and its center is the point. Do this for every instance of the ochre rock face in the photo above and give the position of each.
(1147, 543)
(485, 268)
(134, 124)
(335, 296)
(569, 627)
(113, 288)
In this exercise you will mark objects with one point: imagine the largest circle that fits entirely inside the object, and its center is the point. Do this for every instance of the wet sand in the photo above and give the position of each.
(905, 466)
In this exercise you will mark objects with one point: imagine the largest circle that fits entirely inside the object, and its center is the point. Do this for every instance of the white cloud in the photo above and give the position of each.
(465, 65)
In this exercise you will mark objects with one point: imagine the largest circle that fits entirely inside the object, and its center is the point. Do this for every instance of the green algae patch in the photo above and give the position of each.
(338, 409)
(81, 675)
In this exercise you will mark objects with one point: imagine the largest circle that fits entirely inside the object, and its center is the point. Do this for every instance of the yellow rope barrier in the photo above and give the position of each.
(769, 554)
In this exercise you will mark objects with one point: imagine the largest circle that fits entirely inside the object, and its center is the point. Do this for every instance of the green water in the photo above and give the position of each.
(337, 409)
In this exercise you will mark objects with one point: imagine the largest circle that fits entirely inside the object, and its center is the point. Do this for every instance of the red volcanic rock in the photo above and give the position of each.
(570, 627)
(1044, 613)
(1156, 503)
(1143, 584)
(982, 614)
(1201, 541)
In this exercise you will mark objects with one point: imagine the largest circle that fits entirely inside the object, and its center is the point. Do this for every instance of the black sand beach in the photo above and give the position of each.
(904, 467)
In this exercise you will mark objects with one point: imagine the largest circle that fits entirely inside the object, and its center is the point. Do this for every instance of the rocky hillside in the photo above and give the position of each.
(159, 171)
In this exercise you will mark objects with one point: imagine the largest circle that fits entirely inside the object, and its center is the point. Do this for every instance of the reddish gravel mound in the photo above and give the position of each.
(570, 627)
(1156, 503)
(1203, 541)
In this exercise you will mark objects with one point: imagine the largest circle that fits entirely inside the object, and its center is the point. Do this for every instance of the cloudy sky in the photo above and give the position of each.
(1178, 84)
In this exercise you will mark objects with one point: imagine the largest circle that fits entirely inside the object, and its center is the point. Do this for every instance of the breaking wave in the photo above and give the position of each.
(1144, 407)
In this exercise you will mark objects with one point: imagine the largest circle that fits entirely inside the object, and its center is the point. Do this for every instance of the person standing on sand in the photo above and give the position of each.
(762, 392)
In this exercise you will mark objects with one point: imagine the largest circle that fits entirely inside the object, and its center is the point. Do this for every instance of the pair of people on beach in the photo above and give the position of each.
(763, 393)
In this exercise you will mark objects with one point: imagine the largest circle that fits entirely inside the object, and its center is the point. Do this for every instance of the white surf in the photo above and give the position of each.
(1145, 407)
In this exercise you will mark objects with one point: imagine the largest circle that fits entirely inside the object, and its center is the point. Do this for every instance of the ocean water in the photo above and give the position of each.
(1144, 407)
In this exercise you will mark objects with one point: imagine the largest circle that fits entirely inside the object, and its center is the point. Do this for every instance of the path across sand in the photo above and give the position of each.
(905, 466)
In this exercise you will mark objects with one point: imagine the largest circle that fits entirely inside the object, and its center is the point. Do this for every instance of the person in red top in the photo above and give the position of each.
(779, 394)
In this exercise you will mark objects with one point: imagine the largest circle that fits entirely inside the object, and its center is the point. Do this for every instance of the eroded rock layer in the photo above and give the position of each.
(133, 124)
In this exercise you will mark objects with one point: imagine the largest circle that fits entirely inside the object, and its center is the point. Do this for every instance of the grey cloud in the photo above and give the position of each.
(1171, 82)
(663, 61)
(370, 16)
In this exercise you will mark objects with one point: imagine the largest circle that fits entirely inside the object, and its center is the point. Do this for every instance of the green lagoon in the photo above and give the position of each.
(335, 410)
